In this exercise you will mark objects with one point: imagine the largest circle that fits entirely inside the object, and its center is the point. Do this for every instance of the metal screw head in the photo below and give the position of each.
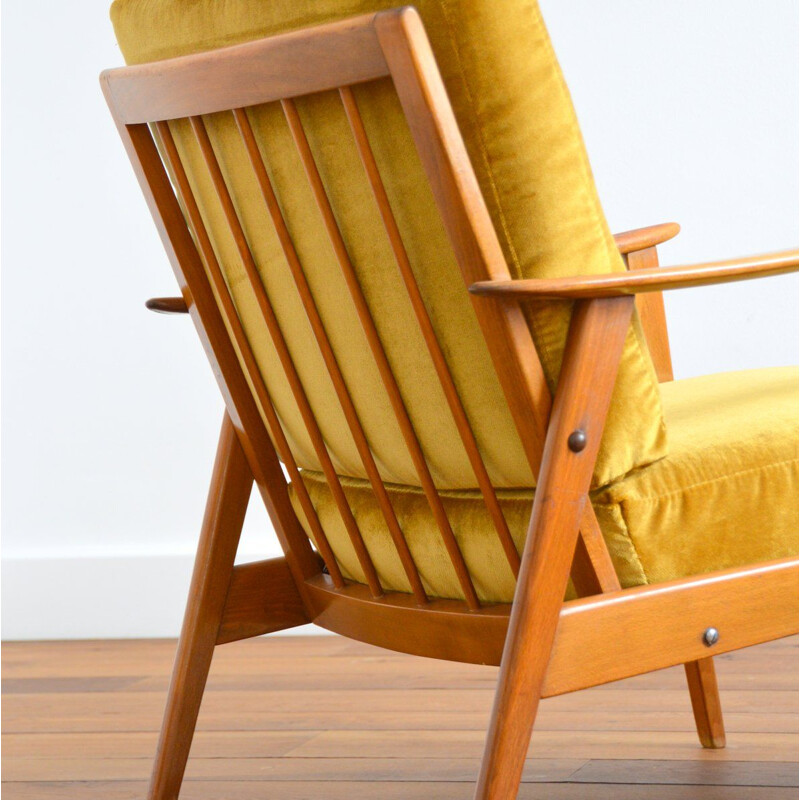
(710, 636)
(577, 441)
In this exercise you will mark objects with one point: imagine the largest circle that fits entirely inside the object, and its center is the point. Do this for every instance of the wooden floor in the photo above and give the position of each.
(329, 719)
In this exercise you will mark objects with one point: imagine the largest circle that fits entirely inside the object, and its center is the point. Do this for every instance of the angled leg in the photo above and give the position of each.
(219, 539)
(700, 674)
(703, 690)
(591, 359)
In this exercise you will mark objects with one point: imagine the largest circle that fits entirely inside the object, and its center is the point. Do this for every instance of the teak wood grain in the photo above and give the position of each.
(645, 238)
(219, 539)
(663, 624)
(286, 65)
(591, 358)
(703, 690)
(262, 598)
(545, 646)
(167, 305)
(650, 307)
(620, 284)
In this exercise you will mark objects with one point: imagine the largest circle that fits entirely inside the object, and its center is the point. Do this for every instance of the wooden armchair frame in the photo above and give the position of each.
(545, 646)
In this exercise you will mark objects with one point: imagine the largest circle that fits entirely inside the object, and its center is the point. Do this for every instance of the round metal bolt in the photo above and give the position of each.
(710, 637)
(577, 441)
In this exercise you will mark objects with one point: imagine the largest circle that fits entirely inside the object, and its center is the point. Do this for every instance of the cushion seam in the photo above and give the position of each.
(657, 497)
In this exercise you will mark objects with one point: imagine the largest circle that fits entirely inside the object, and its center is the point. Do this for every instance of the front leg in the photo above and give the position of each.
(591, 359)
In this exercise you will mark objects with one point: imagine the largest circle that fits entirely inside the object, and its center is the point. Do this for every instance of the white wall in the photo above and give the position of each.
(689, 109)
(690, 113)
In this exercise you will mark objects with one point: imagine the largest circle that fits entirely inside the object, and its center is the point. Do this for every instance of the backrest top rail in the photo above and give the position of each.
(275, 68)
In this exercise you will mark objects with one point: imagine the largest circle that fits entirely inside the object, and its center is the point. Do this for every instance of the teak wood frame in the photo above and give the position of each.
(545, 646)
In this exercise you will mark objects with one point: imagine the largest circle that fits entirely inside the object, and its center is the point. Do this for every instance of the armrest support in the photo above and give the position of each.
(642, 238)
(619, 284)
(639, 251)
(167, 305)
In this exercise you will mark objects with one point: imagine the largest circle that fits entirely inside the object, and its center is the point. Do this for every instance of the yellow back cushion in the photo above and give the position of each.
(520, 131)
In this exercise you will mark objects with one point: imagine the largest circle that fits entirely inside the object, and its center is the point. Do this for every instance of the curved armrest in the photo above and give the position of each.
(619, 284)
(642, 238)
(167, 305)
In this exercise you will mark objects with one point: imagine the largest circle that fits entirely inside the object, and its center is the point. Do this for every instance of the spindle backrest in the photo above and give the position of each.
(176, 106)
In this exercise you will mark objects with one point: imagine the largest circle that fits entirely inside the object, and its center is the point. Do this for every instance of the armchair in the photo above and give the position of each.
(451, 432)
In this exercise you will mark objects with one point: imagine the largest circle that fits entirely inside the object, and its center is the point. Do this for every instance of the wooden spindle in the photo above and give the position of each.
(229, 311)
(384, 368)
(428, 333)
(284, 356)
(317, 325)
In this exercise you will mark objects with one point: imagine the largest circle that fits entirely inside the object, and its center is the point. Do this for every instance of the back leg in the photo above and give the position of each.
(703, 690)
(227, 502)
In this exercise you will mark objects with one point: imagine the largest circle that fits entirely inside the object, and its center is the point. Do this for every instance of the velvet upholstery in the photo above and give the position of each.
(723, 493)
(522, 136)
(725, 496)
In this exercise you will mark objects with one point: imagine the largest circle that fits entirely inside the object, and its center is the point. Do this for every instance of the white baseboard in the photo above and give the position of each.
(97, 597)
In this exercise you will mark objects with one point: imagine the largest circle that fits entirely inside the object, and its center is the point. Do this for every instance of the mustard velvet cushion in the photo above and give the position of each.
(522, 136)
(726, 495)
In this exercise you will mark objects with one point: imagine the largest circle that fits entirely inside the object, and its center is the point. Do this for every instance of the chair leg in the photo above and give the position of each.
(228, 496)
(703, 690)
(591, 358)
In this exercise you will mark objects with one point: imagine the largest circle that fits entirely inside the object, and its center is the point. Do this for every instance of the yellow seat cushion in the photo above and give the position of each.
(726, 495)
(520, 130)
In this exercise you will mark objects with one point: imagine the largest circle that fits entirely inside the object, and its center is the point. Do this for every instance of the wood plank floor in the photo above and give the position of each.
(326, 718)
